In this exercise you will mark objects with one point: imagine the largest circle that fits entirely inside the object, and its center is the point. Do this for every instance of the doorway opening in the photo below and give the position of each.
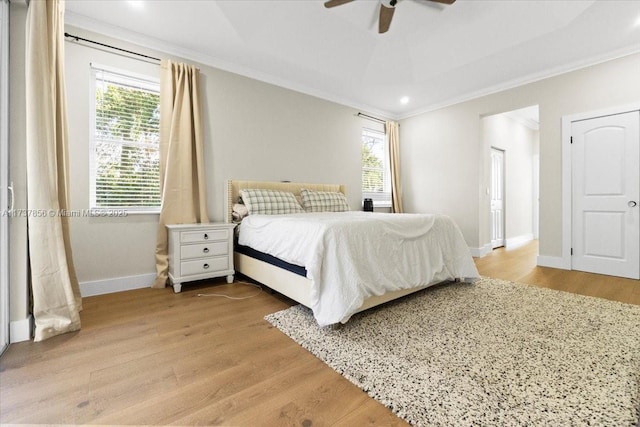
(497, 198)
(512, 142)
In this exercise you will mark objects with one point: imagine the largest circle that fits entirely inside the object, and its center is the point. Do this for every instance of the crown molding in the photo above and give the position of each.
(530, 78)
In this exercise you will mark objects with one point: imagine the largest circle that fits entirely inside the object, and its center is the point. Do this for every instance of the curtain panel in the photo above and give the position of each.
(392, 130)
(182, 177)
(55, 289)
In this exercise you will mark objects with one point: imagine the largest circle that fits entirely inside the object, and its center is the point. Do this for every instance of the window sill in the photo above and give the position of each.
(381, 204)
(118, 213)
(143, 212)
(379, 201)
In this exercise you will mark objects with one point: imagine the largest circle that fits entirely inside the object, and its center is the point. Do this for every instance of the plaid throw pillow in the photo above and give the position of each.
(323, 201)
(270, 202)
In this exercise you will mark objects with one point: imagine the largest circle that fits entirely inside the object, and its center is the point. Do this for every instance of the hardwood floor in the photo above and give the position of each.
(153, 357)
(519, 265)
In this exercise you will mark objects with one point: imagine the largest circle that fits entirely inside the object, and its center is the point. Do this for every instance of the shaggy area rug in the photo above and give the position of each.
(488, 353)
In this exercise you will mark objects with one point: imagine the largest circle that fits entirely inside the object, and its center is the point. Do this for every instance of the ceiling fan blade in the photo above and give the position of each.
(444, 1)
(333, 3)
(386, 14)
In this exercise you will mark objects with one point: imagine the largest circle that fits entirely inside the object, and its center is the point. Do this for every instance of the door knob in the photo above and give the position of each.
(632, 204)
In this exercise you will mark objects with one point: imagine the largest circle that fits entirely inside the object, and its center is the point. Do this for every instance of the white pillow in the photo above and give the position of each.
(239, 212)
(270, 202)
(323, 201)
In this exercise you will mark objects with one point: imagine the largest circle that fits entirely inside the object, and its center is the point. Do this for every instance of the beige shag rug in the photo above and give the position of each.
(492, 353)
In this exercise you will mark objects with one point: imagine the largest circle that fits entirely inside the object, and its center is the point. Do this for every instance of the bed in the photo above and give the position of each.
(315, 285)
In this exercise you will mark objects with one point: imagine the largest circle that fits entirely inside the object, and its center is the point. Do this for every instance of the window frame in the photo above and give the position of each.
(380, 198)
(146, 83)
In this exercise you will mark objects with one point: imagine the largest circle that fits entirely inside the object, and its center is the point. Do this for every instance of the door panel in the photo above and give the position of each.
(4, 174)
(604, 151)
(609, 224)
(497, 198)
(605, 187)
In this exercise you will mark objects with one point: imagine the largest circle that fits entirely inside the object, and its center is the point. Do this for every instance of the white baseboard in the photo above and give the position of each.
(20, 330)
(480, 252)
(514, 242)
(118, 284)
(553, 262)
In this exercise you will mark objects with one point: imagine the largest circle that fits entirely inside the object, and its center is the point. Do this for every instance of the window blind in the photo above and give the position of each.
(376, 179)
(125, 161)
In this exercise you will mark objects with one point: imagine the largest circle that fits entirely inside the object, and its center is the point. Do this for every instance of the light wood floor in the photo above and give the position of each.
(153, 357)
(519, 265)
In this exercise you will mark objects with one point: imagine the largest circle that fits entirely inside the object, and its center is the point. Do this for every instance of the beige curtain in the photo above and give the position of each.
(182, 178)
(392, 130)
(56, 294)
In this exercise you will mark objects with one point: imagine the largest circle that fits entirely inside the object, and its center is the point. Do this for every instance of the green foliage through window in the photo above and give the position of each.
(126, 163)
(372, 162)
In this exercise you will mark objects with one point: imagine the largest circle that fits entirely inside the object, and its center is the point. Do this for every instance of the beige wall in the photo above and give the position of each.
(445, 165)
(439, 155)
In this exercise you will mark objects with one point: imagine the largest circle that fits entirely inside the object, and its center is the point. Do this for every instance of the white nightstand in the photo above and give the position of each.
(200, 251)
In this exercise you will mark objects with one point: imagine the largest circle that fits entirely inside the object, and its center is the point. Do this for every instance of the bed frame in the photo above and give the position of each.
(292, 285)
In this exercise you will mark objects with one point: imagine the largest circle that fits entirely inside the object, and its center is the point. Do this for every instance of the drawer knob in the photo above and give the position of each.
(206, 236)
(205, 266)
(205, 250)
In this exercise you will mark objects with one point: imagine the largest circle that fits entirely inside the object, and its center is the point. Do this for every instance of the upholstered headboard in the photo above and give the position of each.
(234, 187)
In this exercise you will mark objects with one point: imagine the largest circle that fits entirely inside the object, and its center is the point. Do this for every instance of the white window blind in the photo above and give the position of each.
(376, 178)
(125, 156)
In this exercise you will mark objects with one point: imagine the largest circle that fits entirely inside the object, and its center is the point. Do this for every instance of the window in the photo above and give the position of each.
(125, 151)
(376, 179)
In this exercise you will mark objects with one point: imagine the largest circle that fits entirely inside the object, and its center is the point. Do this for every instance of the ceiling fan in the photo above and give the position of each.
(386, 10)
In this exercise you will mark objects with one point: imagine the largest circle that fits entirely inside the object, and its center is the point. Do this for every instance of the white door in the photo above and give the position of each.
(536, 196)
(4, 175)
(497, 198)
(605, 162)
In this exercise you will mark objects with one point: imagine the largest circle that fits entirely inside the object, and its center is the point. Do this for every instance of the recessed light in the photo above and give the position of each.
(404, 100)
(637, 24)
(136, 4)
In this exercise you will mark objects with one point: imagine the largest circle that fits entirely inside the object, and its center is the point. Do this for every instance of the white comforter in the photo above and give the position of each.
(350, 256)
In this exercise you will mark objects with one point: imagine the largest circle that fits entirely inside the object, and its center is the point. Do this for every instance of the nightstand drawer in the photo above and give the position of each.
(204, 250)
(205, 265)
(203, 236)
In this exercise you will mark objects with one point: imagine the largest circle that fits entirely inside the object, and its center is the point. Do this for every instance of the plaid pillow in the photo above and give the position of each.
(270, 202)
(323, 201)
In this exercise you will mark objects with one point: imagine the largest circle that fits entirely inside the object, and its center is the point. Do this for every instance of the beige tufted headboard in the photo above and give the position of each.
(234, 187)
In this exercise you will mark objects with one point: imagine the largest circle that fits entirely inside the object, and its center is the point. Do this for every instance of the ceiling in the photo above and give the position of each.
(433, 54)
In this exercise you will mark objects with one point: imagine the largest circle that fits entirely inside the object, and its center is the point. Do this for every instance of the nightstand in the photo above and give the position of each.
(200, 251)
